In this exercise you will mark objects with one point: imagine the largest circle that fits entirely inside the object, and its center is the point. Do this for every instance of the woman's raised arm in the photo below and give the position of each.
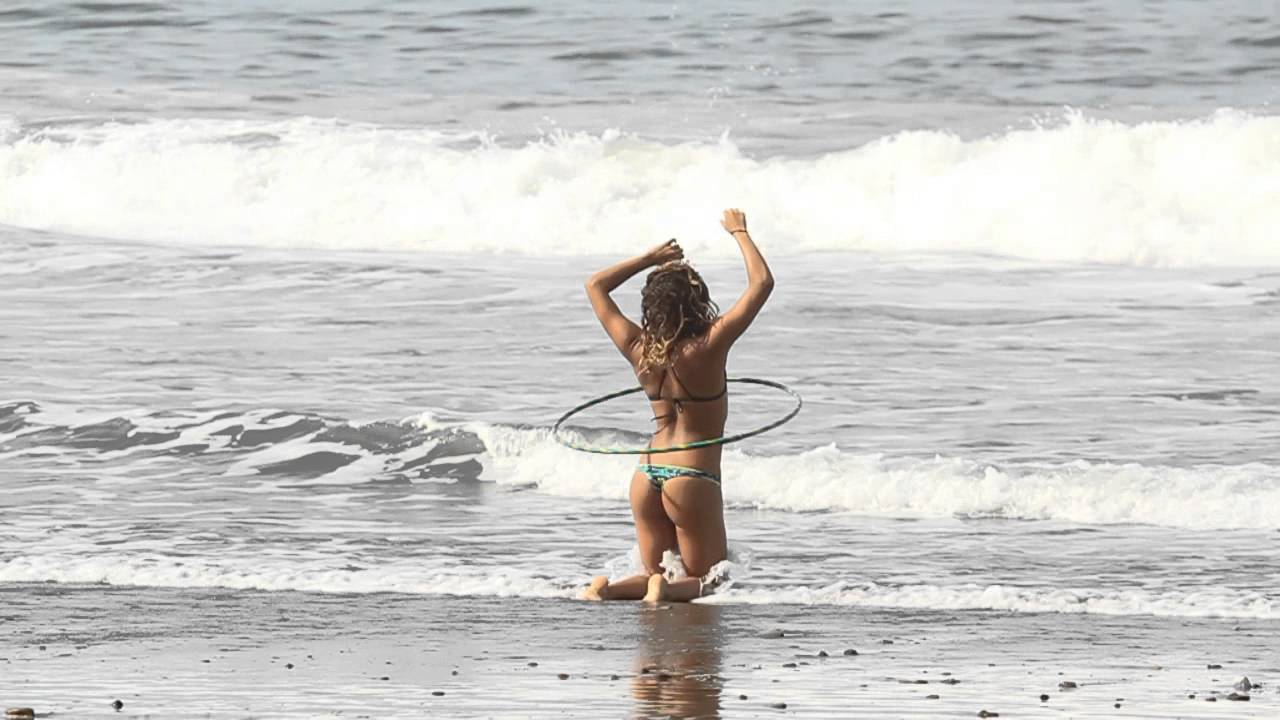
(735, 321)
(624, 333)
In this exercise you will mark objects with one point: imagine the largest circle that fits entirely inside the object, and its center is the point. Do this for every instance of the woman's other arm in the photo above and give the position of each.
(730, 325)
(624, 333)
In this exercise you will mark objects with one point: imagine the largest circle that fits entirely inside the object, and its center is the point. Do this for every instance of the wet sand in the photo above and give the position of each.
(70, 651)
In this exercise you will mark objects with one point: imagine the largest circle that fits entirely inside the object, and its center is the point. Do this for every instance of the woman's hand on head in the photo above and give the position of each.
(666, 252)
(734, 220)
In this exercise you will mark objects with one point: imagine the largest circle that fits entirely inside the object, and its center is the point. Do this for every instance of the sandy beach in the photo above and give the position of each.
(70, 651)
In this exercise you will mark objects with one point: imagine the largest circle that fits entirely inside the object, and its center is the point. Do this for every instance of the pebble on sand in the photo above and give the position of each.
(742, 697)
(1239, 697)
(788, 665)
(614, 677)
(563, 676)
(437, 693)
(533, 664)
(987, 714)
(950, 681)
(1244, 685)
(117, 705)
(1044, 697)
(823, 653)
(1214, 666)
(20, 712)
(1067, 685)
(288, 666)
(773, 634)
(932, 697)
(850, 652)
(778, 706)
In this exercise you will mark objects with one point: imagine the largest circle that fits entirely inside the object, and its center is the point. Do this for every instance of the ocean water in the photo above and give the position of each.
(290, 296)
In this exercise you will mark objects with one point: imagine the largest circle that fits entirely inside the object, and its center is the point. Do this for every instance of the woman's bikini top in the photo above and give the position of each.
(689, 397)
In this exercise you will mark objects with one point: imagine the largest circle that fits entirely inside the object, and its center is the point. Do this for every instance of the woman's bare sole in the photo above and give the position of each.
(657, 589)
(598, 590)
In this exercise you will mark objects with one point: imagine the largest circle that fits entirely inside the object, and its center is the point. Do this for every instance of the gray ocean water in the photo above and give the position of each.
(290, 295)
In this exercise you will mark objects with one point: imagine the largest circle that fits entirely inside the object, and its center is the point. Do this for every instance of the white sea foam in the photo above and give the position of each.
(827, 478)
(1210, 602)
(263, 573)
(413, 578)
(1083, 190)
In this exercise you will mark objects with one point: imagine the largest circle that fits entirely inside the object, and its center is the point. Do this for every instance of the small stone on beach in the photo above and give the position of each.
(117, 705)
(614, 677)
(778, 706)
(850, 652)
(1239, 697)
(1244, 685)
(437, 693)
(788, 665)
(949, 681)
(932, 697)
(288, 666)
(742, 697)
(987, 714)
(1044, 697)
(533, 664)
(1067, 685)
(772, 634)
(822, 653)
(563, 676)
(20, 712)
(455, 672)
(1214, 666)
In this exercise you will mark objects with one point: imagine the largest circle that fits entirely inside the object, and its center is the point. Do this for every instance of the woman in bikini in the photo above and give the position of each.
(678, 353)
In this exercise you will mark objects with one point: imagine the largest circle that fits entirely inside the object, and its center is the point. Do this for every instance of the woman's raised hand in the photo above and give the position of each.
(666, 252)
(734, 221)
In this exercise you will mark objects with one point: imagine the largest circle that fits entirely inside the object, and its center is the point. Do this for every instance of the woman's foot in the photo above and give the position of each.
(657, 589)
(598, 589)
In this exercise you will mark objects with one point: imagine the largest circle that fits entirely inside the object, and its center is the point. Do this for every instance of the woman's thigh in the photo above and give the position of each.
(655, 533)
(696, 507)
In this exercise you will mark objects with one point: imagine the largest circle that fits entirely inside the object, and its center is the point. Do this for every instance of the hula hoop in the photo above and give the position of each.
(722, 440)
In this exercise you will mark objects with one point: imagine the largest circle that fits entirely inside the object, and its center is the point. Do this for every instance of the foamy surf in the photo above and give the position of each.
(830, 479)
(418, 578)
(297, 449)
(1194, 193)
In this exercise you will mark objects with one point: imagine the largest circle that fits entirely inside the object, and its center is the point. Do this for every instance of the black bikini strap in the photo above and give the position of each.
(690, 396)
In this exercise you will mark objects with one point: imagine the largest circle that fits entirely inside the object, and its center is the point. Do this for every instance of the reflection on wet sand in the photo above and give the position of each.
(678, 662)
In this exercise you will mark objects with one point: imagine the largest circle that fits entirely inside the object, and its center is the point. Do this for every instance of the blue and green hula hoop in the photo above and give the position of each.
(723, 440)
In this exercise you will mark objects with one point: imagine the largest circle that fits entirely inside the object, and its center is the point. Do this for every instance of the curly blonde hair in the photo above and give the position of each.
(675, 304)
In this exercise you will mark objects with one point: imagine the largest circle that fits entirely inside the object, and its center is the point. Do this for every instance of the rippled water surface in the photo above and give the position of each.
(814, 74)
